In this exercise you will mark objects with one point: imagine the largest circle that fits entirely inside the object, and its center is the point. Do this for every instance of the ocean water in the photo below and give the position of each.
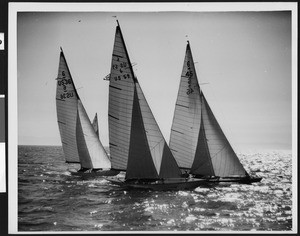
(51, 199)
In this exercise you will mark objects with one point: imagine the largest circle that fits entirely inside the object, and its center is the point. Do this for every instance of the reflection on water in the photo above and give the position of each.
(51, 199)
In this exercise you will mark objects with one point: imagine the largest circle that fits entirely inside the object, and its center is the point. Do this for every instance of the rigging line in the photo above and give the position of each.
(218, 152)
(157, 144)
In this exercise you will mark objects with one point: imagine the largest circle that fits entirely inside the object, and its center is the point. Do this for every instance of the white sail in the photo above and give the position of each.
(224, 160)
(66, 106)
(79, 139)
(197, 140)
(91, 152)
(95, 125)
(121, 89)
(187, 115)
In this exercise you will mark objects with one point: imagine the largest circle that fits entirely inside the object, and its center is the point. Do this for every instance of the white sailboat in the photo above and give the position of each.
(79, 140)
(197, 140)
(95, 125)
(137, 145)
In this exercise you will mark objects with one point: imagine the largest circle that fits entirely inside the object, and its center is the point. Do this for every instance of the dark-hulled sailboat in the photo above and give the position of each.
(197, 140)
(137, 145)
(79, 140)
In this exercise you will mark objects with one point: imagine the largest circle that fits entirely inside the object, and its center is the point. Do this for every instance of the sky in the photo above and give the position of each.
(243, 64)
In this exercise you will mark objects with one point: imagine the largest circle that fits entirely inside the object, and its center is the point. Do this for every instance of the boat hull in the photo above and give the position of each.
(165, 185)
(96, 173)
(241, 180)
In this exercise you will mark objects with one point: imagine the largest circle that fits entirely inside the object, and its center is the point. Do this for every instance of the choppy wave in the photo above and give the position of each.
(51, 199)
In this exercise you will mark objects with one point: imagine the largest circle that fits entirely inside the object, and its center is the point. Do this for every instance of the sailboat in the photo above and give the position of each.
(95, 125)
(137, 145)
(197, 140)
(79, 140)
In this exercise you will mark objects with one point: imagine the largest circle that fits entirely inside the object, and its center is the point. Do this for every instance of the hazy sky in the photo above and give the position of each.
(244, 56)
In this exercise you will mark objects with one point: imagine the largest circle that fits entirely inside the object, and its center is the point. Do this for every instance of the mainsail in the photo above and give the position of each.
(95, 125)
(136, 143)
(77, 133)
(121, 90)
(66, 107)
(197, 141)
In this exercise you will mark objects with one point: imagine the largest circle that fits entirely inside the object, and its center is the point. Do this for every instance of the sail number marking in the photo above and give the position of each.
(120, 68)
(66, 95)
(119, 77)
(189, 74)
(122, 65)
(64, 82)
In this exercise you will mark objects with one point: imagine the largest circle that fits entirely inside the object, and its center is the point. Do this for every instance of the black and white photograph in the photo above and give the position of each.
(152, 118)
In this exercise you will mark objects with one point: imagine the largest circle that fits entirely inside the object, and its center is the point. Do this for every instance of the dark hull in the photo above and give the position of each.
(241, 180)
(166, 185)
(96, 173)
